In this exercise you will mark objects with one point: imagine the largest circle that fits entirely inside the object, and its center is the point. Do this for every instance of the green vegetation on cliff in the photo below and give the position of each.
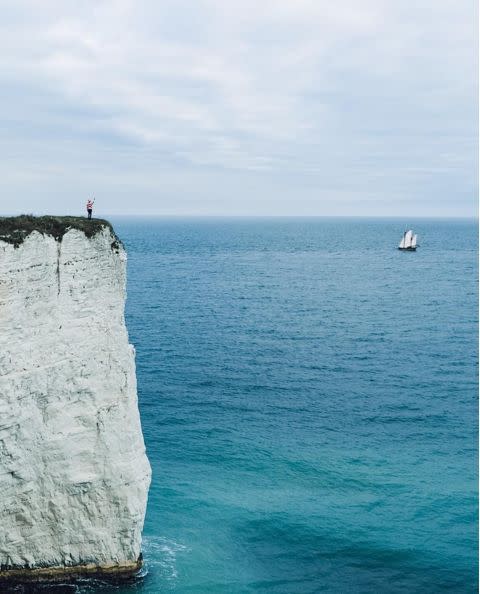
(15, 229)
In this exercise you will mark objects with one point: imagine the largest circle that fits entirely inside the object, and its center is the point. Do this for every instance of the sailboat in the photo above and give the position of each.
(409, 241)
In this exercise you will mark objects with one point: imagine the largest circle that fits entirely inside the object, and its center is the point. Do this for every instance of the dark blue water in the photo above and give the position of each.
(309, 402)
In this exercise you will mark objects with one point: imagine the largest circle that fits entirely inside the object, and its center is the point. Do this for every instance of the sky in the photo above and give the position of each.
(239, 107)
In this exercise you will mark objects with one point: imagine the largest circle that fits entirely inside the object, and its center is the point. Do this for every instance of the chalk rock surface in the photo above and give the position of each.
(74, 475)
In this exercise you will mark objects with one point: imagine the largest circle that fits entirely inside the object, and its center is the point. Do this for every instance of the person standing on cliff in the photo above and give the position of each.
(90, 208)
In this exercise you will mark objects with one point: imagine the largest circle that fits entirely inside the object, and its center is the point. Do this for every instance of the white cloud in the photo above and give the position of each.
(280, 85)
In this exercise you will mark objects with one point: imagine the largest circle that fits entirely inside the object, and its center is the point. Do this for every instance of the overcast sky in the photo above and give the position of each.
(242, 107)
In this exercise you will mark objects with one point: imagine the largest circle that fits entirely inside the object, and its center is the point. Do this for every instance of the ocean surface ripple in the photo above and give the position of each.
(309, 403)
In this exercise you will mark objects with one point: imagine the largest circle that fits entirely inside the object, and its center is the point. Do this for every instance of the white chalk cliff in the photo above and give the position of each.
(74, 475)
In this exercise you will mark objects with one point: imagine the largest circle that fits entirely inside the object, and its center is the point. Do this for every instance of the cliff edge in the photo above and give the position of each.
(74, 475)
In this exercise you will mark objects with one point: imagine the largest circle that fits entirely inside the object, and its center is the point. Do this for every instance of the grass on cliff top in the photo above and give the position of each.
(16, 229)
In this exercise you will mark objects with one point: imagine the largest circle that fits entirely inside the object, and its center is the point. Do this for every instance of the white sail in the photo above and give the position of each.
(408, 240)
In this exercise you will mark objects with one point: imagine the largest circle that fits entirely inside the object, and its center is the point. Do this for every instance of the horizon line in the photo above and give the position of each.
(474, 217)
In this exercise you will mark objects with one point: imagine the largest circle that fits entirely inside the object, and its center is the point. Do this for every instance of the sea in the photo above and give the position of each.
(308, 396)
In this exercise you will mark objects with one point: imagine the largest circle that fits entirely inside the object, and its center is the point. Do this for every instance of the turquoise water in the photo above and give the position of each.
(309, 405)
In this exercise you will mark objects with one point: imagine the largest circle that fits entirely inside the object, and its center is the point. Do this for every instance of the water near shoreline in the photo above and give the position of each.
(309, 404)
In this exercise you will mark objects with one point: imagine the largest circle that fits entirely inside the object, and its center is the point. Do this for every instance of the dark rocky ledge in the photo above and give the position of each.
(54, 574)
(15, 230)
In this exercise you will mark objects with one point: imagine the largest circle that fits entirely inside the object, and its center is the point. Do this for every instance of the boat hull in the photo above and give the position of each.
(408, 249)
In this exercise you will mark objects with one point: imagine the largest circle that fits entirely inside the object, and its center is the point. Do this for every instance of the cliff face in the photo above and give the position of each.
(74, 475)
